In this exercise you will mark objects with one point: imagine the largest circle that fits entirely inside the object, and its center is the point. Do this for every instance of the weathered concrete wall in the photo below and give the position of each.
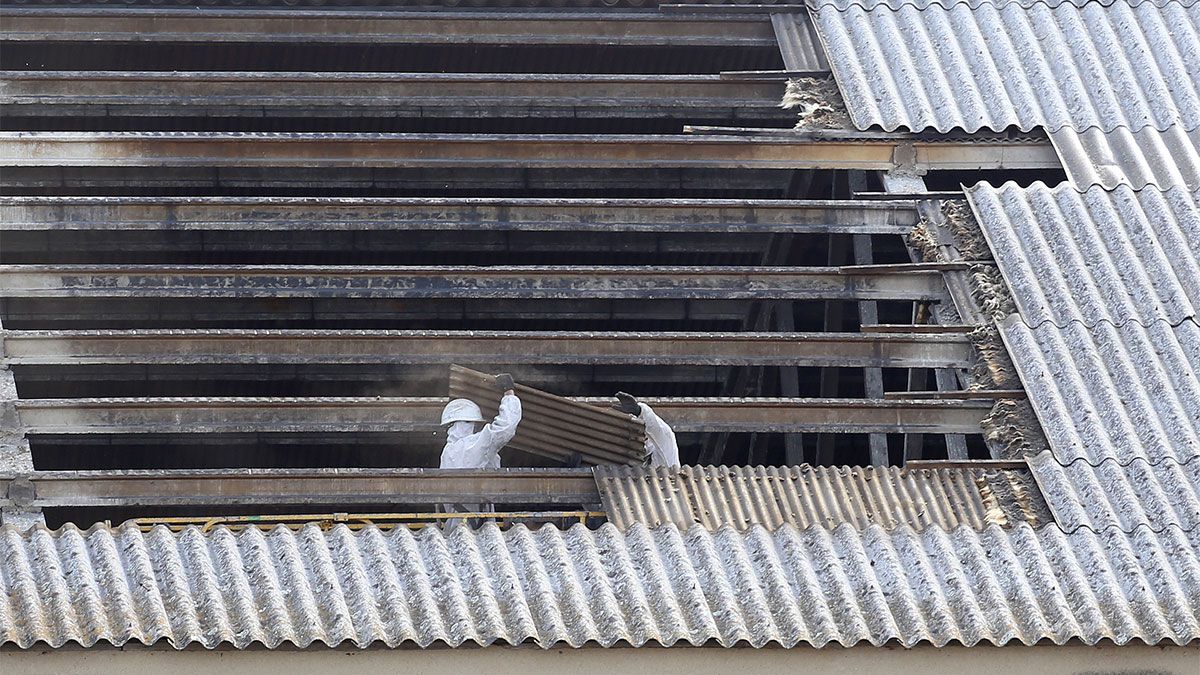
(522, 661)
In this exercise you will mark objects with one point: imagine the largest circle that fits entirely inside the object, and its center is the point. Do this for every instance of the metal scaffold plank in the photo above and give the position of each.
(263, 94)
(391, 414)
(298, 486)
(878, 350)
(813, 150)
(322, 281)
(173, 214)
(599, 28)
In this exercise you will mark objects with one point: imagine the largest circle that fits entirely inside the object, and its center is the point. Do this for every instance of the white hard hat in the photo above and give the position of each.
(461, 410)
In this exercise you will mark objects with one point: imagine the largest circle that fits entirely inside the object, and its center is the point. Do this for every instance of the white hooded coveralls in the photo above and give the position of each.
(661, 447)
(467, 449)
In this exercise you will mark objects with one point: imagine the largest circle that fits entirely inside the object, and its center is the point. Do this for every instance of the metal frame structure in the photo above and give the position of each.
(365, 242)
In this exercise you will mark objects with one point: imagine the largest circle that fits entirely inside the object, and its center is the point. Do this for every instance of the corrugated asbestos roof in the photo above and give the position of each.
(1126, 496)
(1097, 256)
(1098, 65)
(798, 42)
(808, 496)
(1107, 344)
(1112, 393)
(1146, 157)
(577, 586)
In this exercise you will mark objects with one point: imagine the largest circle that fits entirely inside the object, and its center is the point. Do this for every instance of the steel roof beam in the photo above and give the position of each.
(350, 94)
(296, 26)
(222, 487)
(173, 214)
(331, 281)
(392, 414)
(841, 150)
(878, 350)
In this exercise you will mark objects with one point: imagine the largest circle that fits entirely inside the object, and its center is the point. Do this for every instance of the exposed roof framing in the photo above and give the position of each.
(730, 29)
(879, 350)
(100, 416)
(842, 150)
(174, 214)
(347, 94)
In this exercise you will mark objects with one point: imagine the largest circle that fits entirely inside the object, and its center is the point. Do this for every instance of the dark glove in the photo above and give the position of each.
(505, 381)
(628, 404)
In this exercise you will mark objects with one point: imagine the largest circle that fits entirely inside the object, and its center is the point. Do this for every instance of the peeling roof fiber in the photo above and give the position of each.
(1100, 256)
(1112, 393)
(576, 586)
(805, 496)
(1126, 496)
(994, 67)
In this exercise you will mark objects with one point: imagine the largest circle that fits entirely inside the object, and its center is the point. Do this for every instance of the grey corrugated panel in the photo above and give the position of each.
(791, 587)
(1114, 256)
(1112, 393)
(807, 496)
(798, 41)
(1126, 496)
(945, 4)
(1091, 66)
(1147, 157)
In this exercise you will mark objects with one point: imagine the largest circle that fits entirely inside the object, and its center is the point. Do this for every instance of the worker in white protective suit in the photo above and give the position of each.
(473, 443)
(661, 447)
(470, 442)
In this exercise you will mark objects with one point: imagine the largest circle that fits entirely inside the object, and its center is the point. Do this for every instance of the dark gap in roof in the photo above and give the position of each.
(950, 181)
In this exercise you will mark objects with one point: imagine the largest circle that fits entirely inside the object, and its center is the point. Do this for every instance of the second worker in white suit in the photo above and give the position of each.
(661, 446)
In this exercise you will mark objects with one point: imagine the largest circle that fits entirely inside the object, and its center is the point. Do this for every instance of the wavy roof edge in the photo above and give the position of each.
(1065, 186)
(1110, 494)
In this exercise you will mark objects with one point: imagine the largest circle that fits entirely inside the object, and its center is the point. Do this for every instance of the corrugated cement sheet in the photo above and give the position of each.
(1143, 158)
(552, 587)
(1111, 256)
(808, 496)
(1112, 393)
(798, 41)
(994, 67)
(1126, 496)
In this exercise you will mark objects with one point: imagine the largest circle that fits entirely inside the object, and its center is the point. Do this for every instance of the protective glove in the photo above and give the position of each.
(628, 404)
(505, 382)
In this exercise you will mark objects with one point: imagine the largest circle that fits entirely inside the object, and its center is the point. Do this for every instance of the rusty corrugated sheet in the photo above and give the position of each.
(553, 426)
(809, 496)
